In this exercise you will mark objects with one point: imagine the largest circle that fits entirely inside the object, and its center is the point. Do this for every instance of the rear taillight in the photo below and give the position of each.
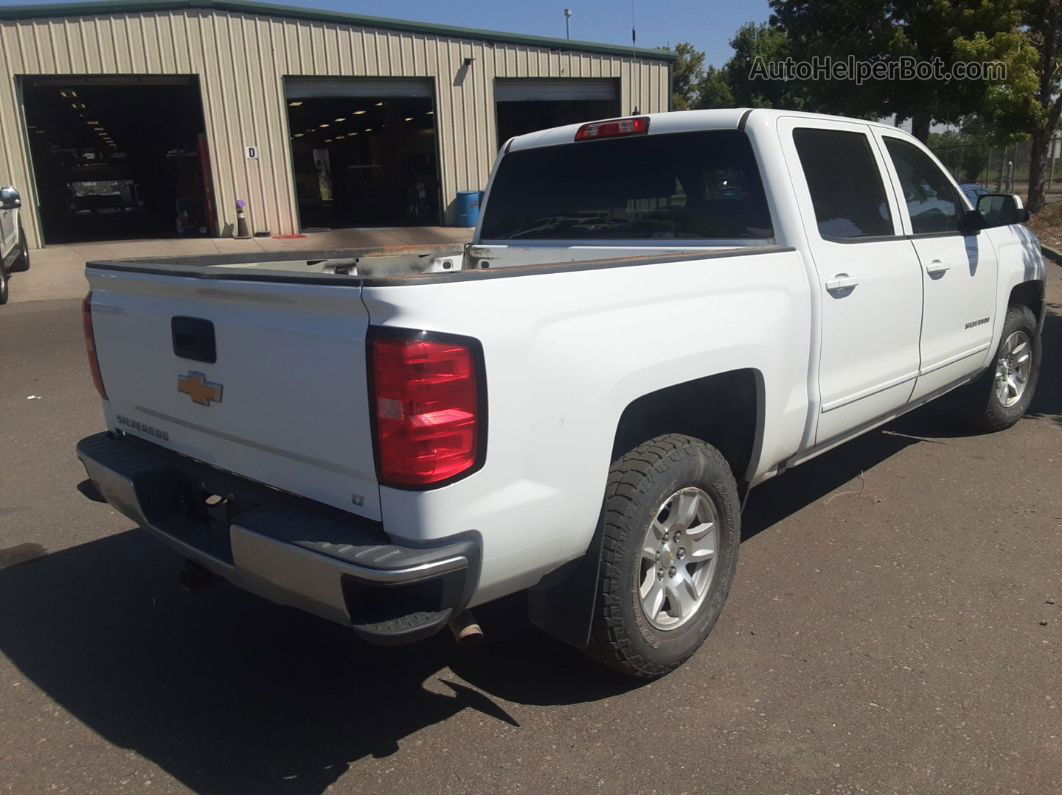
(613, 128)
(90, 345)
(428, 408)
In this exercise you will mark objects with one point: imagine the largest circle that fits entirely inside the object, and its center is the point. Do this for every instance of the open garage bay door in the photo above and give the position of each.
(118, 157)
(363, 151)
(526, 105)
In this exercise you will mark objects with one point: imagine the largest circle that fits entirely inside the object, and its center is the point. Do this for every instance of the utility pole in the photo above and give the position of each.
(567, 23)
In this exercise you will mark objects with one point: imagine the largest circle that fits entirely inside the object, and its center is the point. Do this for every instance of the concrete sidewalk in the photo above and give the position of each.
(59, 271)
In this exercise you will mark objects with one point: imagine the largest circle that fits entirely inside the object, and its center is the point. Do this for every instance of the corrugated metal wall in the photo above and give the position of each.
(241, 60)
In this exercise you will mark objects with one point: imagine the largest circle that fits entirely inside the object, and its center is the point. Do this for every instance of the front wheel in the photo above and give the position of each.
(672, 529)
(1001, 396)
(3, 285)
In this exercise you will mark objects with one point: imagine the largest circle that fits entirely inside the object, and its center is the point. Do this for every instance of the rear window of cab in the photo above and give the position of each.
(677, 186)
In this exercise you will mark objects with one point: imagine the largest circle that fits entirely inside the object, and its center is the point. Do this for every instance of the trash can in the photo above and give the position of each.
(468, 207)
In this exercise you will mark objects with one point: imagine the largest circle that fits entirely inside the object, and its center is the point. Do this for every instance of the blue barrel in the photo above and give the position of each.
(468, 207)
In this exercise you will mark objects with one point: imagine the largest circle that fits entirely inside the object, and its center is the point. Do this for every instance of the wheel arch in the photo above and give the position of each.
(562, 604)
(1030, 294)
(725, 410)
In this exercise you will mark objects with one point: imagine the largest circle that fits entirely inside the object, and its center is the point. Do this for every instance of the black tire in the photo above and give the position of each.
(979, 402)
(22, 261)
(639, 484)
(3, 286)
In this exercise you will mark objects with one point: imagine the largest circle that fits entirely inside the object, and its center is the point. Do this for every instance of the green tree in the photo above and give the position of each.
(768, 43)
(1028, 104)
(1044, 31)
(930, 31)
(713, 90)
(687, 76)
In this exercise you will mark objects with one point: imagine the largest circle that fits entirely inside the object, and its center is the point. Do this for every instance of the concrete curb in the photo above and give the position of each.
(1052, 254)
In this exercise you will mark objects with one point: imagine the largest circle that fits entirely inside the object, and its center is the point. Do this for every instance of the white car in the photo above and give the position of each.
(14, 253)
(658, 313)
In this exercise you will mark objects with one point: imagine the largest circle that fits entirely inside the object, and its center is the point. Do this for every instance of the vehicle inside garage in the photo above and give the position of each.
(363, 152)
(119, 158)
(526, 105)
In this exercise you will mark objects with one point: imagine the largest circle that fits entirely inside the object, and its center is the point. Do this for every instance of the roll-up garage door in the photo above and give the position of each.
(316, 87)
(527, 90)
(523, 106)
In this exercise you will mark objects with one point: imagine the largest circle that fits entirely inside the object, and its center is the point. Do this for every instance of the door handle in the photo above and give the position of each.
(936, 266)
(193, 338)
(842, 281)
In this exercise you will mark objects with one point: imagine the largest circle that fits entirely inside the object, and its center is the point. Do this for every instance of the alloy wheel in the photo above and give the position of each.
(678, 558)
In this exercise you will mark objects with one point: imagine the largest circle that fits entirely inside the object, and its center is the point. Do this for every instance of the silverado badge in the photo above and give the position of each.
(201, 391)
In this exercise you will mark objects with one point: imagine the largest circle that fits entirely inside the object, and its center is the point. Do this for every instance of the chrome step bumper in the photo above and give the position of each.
(287, 549)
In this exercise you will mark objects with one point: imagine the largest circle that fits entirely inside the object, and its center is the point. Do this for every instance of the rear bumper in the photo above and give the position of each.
(286, 549)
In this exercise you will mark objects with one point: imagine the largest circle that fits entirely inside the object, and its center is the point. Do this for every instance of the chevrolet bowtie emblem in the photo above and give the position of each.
(201, 391)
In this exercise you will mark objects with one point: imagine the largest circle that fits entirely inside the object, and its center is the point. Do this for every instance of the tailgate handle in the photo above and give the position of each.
(193, 338)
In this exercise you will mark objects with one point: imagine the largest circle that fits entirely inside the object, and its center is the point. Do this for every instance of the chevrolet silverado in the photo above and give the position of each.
(656, 314)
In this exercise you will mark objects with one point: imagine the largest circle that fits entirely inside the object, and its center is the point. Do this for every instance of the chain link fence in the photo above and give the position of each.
(1002, 169)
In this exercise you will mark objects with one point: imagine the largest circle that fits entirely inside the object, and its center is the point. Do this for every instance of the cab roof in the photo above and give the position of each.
(683, 121)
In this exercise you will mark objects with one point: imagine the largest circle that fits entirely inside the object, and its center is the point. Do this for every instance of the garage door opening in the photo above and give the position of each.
(526, 105)
(119, 158)
(363, 152)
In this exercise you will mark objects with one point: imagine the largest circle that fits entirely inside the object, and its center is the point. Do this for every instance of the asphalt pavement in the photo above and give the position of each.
(895, 626)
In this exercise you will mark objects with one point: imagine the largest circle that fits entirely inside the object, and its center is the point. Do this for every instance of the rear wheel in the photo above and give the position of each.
(671, 538)
(1001, 396)
(3, 285)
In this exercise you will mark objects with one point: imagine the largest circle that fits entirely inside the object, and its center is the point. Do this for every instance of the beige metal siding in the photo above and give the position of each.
(241, 61)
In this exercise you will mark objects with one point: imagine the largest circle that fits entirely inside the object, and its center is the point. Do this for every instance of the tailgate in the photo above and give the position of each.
(286, 400)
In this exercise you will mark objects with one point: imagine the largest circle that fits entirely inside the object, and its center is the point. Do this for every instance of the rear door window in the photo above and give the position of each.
(678, 186)
(846, 187)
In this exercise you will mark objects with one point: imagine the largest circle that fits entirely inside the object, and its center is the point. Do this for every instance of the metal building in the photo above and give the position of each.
(153, 118)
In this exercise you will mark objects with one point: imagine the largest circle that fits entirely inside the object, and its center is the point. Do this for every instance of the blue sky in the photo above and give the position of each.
(708, 24)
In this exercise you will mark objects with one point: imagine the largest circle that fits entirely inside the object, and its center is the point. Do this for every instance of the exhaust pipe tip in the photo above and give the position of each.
(466, 630)
(193, 577)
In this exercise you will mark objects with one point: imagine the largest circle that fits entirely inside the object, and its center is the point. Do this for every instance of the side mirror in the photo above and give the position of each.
(1001, 209)
(9, 199)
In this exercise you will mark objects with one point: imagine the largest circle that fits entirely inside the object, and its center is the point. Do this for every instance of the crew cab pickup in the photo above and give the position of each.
(656, 314)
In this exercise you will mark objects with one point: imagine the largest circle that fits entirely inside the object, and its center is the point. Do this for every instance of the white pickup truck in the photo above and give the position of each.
(657, 313)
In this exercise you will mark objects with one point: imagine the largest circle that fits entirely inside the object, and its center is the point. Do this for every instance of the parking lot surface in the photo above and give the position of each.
(896, 626)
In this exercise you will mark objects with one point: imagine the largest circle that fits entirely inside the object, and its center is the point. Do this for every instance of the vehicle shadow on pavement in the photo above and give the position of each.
(792, 491)
(1048, 399)
(227, 692)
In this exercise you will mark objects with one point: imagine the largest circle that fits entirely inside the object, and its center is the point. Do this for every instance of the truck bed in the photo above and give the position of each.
(287, 265)
(416, 264)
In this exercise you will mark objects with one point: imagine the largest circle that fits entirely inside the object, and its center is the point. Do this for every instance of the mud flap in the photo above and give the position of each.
(562, 604)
